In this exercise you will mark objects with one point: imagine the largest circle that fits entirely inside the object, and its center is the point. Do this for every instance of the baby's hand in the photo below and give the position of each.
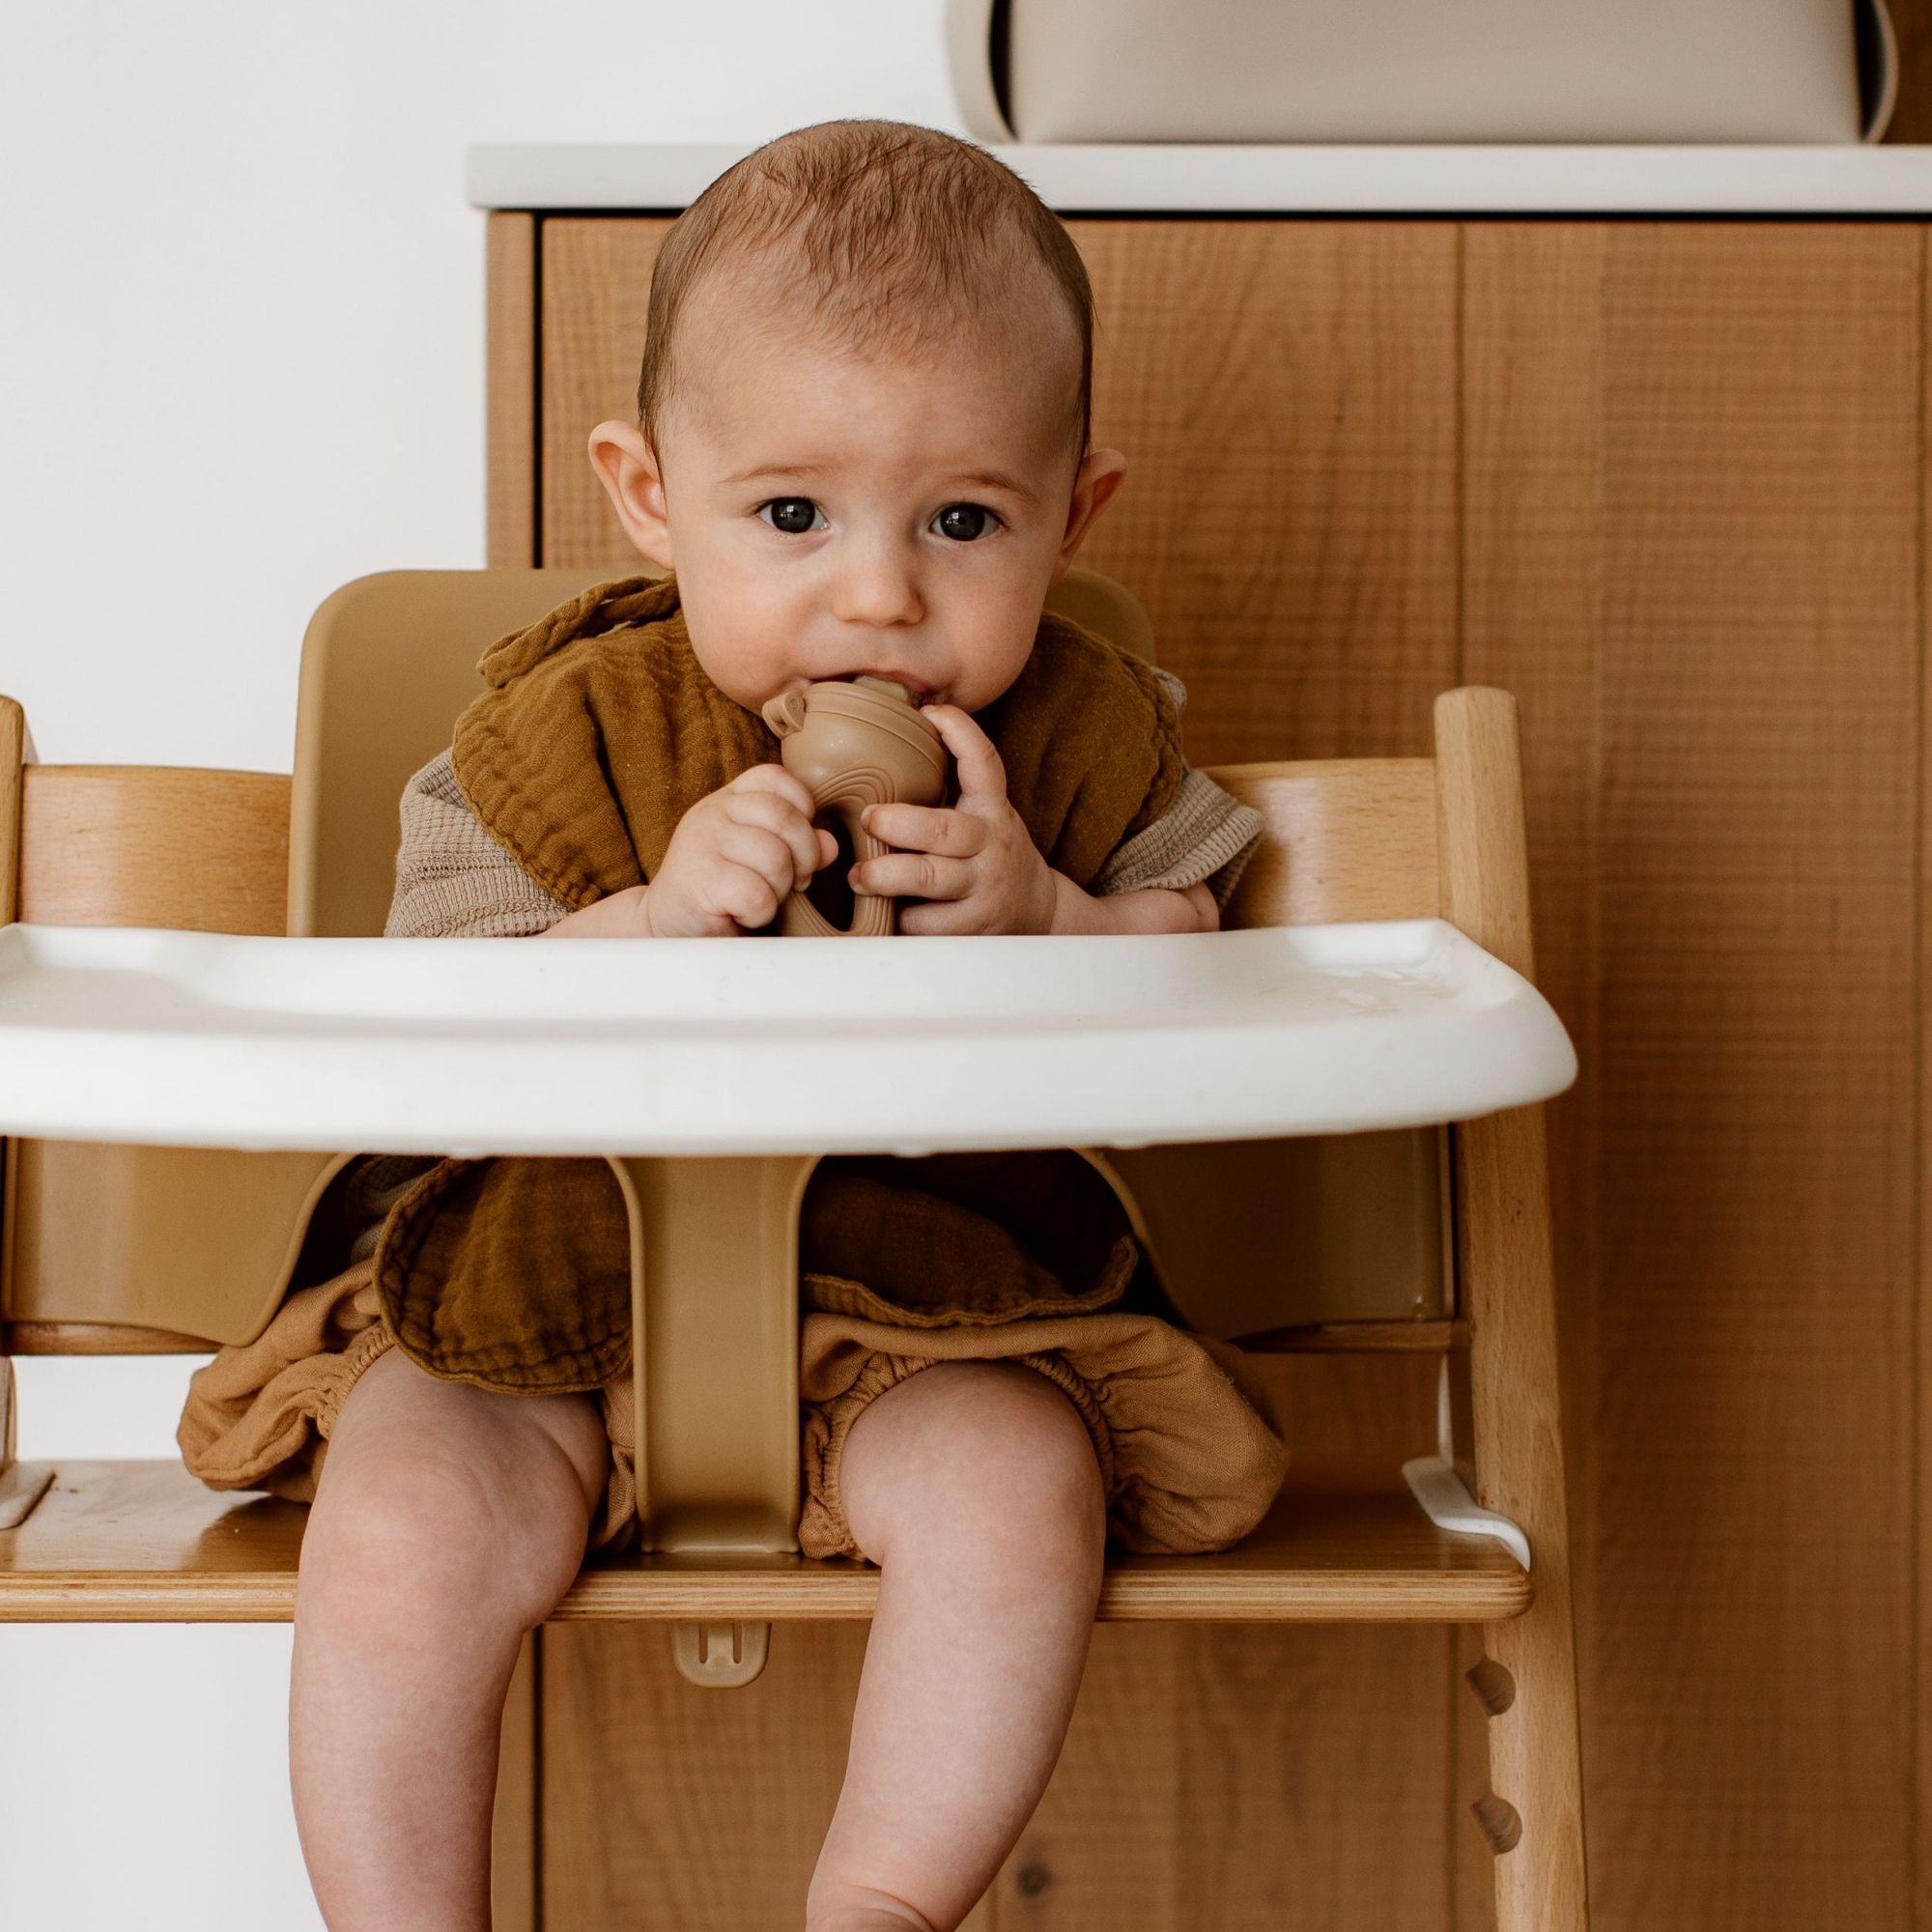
(976, 863)
(735, 856)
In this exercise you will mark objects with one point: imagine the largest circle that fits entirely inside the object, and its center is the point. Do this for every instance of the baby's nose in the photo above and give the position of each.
(878, 589)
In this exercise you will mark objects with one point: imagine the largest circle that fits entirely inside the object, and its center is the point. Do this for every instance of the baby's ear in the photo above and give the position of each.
(627, 469)
(1101, 474)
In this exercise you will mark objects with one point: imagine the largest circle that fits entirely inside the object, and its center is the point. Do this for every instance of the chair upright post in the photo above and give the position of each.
(1533, 1813)
(16, 1495)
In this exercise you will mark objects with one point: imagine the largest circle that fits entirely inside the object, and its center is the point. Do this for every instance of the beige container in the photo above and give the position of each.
(1372, 71)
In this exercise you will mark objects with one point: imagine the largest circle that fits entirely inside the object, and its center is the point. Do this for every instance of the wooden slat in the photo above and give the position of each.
(1692, 495)
(1101, 1851)
(1285, 396)
(596, 287)
(1920, 1634)
(1284, 393)
(1505, 1278)
(1346, 839)
(1254, 1786)
(1535, 308)
(205, 851)
(13, 754)
(726, 1796)
(511, 429)
(146, 1543)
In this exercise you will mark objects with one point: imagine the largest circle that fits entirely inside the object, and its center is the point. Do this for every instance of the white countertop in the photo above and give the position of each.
(1160, 177)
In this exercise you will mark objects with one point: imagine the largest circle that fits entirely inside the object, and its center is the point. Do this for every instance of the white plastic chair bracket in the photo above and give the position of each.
(721, 1657)
(1443, 1496)
(1447, 1503)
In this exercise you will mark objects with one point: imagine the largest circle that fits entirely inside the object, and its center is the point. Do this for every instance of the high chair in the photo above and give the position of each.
(1411, 1238)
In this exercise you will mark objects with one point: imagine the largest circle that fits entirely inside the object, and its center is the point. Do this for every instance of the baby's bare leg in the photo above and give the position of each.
(447, 1521)
(974, 1486)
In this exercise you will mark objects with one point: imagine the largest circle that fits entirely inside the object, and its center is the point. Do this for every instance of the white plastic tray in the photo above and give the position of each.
(477, 1046)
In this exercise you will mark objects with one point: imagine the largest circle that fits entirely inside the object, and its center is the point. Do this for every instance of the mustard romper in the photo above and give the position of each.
(596, 731)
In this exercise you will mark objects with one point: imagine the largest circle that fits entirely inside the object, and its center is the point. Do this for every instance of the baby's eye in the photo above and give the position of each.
(965, 521)
(792, 515)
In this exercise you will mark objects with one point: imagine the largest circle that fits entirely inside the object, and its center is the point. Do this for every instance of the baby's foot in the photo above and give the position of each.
(857, 1908)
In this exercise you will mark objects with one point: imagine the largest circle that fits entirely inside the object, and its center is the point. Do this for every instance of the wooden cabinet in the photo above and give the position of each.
(1665, 480)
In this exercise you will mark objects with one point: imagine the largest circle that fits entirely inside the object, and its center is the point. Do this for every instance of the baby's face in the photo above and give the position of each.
(830, 513)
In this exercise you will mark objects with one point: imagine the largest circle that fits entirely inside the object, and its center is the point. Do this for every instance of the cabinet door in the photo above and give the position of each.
(1691, 485)
(1663, 481)
(1285, 395)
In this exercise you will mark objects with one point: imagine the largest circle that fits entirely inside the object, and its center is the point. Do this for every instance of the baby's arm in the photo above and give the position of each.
(732, 861)
(1153, 909)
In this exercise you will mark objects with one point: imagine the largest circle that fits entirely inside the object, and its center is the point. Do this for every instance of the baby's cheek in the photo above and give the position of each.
(746, 665)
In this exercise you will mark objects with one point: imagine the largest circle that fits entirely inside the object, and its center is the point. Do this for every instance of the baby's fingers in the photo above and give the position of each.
(921, 828)
(760, 851)
(775, 781)
(918, 875)
(743, 896)
(976, 760)
(774, 813)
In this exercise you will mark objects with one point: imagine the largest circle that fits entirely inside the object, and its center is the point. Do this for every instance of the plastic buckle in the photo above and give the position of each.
(721, 1657)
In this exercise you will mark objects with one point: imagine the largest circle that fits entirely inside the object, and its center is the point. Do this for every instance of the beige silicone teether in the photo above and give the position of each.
(855, 744)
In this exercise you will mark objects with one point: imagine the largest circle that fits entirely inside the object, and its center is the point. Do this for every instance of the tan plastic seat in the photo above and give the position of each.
(1327, 1245)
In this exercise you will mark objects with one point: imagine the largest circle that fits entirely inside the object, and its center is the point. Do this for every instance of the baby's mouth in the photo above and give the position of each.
(919, 692)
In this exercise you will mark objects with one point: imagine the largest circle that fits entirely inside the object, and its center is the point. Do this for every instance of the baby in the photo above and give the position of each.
(862, 448)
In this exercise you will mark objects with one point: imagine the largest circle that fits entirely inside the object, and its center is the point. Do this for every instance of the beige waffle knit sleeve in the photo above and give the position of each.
(453, 880)
(1207, 834)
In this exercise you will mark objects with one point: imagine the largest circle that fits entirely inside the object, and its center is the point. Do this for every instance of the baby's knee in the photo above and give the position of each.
(430, 1538)
(991, 1455)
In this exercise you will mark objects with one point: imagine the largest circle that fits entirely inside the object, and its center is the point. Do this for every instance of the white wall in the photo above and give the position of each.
(240, 362)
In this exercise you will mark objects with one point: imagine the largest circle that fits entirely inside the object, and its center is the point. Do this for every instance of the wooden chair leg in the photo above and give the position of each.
(1533, 1813)
(1527, 1681)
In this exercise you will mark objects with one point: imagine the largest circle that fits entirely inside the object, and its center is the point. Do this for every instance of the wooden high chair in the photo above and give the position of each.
(112, 1249)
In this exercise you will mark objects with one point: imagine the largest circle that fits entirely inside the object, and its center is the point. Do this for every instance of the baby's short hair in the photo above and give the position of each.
(885, 229)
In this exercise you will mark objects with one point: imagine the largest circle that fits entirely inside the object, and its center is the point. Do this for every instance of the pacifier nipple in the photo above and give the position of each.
(890, 686)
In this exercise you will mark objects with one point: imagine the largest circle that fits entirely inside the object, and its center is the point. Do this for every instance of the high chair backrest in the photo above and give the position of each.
(111, 1249)
(388, 663)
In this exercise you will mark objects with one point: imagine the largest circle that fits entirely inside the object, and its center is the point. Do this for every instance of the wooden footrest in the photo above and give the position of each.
(146, 1543)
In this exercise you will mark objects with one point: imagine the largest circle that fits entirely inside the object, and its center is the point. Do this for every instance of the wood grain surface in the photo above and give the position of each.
(1664, 482)
(1526, 1679)
(13, 758)
(596, 286)
(511, 422)
(1691, 525)
(1287, 397)
(155, 845)
(1918, 1637)
(144, 1541)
